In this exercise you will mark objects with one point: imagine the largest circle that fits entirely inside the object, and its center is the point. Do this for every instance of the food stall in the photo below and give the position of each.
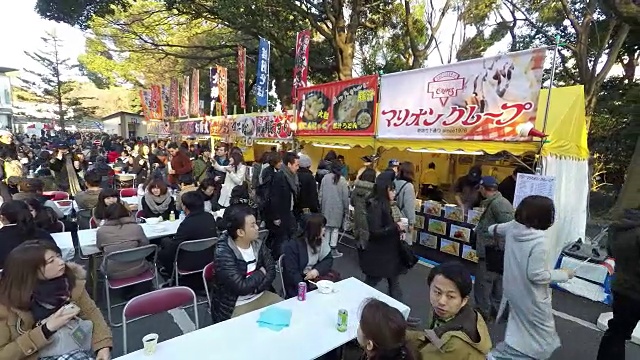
(272, 129)
(338, 116)
(485, 111)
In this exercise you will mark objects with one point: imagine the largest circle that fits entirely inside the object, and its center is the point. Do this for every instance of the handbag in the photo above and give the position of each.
(75, 336)
(494, 255)
(407, 258)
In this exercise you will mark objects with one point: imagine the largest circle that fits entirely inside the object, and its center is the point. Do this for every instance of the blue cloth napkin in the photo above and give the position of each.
(274, 318)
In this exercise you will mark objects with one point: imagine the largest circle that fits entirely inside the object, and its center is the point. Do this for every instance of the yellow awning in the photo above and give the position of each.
(566, 127)
(351, 141)
(566, 122)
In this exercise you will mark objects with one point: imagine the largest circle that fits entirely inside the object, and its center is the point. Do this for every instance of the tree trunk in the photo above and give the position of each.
(629, 197)
(343, 44)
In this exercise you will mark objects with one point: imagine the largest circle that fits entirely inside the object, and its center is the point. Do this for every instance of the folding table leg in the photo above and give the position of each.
(93, 273)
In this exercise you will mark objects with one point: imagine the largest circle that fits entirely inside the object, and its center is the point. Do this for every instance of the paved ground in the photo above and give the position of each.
(575, 320)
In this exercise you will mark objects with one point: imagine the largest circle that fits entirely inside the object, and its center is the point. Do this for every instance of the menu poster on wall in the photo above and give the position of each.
(492, 98)
(527, 185)
(338, 108)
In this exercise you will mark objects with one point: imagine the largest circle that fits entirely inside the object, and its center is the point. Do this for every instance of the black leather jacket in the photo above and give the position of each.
(231, 281)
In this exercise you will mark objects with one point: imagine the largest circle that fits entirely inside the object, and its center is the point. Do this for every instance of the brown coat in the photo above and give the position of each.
(124, 234)
(14, 346)
(185, 189)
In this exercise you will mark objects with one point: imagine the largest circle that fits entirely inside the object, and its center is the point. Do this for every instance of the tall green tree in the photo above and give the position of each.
(52, 81)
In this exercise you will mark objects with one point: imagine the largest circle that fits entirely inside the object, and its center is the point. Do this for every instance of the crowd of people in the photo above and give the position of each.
(304, 214)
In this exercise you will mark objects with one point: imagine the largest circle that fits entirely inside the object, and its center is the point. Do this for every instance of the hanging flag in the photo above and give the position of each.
(174, 99)
(156, 102)
(242, 62)
(145, 102)
(195, 93)
(300, 67)
(213, 85)
(262, 82)
(166, 102)
(222, 86)
(184, 100)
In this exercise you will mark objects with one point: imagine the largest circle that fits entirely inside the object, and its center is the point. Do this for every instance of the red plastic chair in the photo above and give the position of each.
(93, 224)
(156, 302)
(207, 276)
(128, 192)
(63, 202)
(127, 256)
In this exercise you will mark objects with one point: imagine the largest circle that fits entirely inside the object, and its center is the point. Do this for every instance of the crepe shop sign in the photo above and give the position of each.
(457, 121)
(273, 127)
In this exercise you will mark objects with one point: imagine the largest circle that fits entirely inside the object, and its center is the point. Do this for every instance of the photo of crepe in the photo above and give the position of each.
(469, 254)
(428, 240)
(453, 212)
(450, 247)
(433, 208)
(460, 233)
(473, 215)
(419, 224)
(437, 226)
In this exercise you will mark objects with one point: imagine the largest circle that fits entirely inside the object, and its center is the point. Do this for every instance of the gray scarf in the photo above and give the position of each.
(158, 204)
(292, 179)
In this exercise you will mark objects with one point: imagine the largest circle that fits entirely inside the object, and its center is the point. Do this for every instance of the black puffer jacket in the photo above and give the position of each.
(231, 281)
(624, 246)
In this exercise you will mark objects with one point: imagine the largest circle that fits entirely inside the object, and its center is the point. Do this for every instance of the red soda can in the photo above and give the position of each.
(302, 291)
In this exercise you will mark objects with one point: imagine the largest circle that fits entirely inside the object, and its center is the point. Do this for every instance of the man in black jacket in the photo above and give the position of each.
(198, 224)
(283, 195)
(624, 246)
(244, 268)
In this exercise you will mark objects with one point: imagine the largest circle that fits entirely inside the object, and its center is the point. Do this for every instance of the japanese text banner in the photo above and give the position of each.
(338, 108)
(262, 81)
(492, 98)
(300, 67)
(273, 126)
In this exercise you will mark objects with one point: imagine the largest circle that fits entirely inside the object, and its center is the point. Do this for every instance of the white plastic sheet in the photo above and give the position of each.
(570, 198)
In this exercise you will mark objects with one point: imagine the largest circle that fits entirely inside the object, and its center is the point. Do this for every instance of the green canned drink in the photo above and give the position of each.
(343, 320)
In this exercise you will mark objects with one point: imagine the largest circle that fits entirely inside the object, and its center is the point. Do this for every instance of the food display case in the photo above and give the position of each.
(445, 229)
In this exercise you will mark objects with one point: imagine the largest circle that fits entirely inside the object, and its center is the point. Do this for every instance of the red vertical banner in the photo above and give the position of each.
(222, 87)
(242, 63)
(156, 102)
(300, 67)
(174, 99)
(195, 93)
(184, 99)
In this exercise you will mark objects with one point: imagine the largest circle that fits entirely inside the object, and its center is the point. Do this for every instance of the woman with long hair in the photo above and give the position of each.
(141, 164)
(334, 202)
(106, 198)
(381, 258)
(35, 287)
(406, 195)
(235, 175)
(121, 232)
(308, 257)
(157, 201)
(43, 216)
(18, 226)
(382, 333)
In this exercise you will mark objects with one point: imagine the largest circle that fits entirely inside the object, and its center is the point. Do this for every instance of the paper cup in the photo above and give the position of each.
(150, 342)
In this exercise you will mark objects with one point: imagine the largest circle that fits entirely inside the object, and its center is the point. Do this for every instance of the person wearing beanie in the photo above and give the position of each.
(308, 199)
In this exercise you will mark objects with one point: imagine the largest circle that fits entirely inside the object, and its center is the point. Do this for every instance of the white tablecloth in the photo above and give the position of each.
(87, 238)
(312, 331)
(132, 200)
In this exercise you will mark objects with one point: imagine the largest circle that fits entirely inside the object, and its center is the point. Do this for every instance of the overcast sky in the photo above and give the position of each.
(22, 28)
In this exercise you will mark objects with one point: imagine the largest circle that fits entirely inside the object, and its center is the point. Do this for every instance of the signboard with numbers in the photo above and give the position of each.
(531, 184)
(338, 108)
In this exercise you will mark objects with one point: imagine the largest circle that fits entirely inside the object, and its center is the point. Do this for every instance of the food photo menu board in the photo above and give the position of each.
(446, 229)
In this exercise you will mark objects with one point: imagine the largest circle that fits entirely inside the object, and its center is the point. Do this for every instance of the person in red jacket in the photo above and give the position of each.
(180, 164)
